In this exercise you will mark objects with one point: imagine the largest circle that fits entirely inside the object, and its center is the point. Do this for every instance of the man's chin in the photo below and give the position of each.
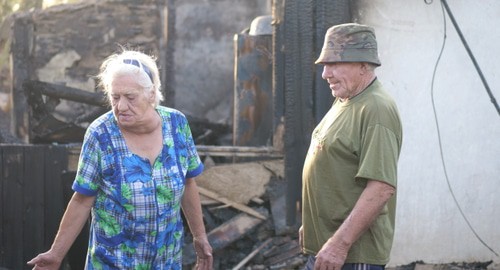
(335, 95)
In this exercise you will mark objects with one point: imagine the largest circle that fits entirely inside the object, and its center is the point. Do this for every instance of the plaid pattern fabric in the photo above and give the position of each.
(136, 221)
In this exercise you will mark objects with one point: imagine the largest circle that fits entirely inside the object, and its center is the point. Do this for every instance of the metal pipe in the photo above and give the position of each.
(478, 69)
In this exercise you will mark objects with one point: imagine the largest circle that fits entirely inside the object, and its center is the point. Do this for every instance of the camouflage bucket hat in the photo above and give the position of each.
(350, 42)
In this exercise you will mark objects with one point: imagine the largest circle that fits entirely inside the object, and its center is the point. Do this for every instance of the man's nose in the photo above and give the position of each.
(326, 72)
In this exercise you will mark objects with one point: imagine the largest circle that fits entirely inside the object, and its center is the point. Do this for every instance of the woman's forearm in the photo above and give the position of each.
(74, 218)
(192, 208)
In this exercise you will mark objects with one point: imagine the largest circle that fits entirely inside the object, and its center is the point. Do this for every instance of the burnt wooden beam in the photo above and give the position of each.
(286, 251)
(224, 235)
(300, 27)
(44, 127)
(21, 51)
(65, 92)
(239, 206)
(252, 254)
(210, 150)
(238, 151)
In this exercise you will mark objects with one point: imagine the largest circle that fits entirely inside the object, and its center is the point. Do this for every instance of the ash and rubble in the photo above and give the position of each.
(244, 212)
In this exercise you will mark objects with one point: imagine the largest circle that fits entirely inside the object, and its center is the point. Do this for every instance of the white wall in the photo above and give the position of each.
(410, 34)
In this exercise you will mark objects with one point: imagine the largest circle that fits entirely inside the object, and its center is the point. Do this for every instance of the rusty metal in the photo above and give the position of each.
(253, 103)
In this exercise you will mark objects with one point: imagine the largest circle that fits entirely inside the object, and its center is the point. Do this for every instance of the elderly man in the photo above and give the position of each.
(350, 172)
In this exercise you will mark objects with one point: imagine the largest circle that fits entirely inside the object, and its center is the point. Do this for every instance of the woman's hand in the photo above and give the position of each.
(46, 261)
(204, 259)
(301, 238)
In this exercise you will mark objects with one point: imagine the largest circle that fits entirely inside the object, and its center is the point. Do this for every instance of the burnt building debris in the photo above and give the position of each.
(46, 127)
(55, 57)
(245, 219)
(56, 54)
(42, 99)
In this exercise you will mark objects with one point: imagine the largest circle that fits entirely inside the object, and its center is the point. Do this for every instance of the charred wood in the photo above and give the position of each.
(224, 235)
(65, 92)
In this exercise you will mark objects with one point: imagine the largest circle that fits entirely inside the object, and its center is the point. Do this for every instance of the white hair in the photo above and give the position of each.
(132, 62)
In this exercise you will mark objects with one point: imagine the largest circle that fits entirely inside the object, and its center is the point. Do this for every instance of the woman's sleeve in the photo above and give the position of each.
(194, 164)
(87, 173)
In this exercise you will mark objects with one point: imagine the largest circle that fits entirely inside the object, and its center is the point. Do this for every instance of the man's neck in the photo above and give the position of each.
(365, 82)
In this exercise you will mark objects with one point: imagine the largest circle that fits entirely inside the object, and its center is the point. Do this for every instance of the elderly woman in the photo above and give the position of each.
(136, 171)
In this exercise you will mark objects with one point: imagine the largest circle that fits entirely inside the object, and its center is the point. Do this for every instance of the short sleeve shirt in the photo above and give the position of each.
(136, 221)
(356, 140)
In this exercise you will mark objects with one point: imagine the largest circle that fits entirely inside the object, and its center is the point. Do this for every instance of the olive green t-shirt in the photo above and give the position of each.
(358, 139)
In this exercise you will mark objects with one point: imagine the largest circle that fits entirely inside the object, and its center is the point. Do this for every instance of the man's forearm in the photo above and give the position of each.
(367, 209)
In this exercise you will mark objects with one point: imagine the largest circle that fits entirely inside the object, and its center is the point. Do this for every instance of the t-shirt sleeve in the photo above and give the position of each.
(380, 155)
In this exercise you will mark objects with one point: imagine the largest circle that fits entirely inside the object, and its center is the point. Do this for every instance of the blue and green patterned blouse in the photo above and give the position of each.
(136, 220)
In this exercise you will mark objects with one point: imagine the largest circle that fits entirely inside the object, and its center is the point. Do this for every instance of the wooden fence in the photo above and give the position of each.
(35, 186)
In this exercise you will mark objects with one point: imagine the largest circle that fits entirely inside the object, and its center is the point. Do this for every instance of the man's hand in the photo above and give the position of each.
(331, 256)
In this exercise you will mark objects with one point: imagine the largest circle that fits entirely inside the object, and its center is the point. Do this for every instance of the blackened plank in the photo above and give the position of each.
(65, 92)
(55, 163)
(33, 226)
(2, 210)
(12, 206)
(298, 92)
(224, 235)
(21, 70)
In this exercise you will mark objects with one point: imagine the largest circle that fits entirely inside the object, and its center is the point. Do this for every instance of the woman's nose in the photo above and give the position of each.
(121, 104)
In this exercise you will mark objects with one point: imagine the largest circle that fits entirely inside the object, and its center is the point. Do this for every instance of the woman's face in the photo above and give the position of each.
(130, 101)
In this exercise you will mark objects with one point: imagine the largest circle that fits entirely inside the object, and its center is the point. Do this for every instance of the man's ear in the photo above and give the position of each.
(364, 68)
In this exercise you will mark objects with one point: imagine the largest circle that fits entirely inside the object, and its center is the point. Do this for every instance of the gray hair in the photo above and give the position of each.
(131, 62)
